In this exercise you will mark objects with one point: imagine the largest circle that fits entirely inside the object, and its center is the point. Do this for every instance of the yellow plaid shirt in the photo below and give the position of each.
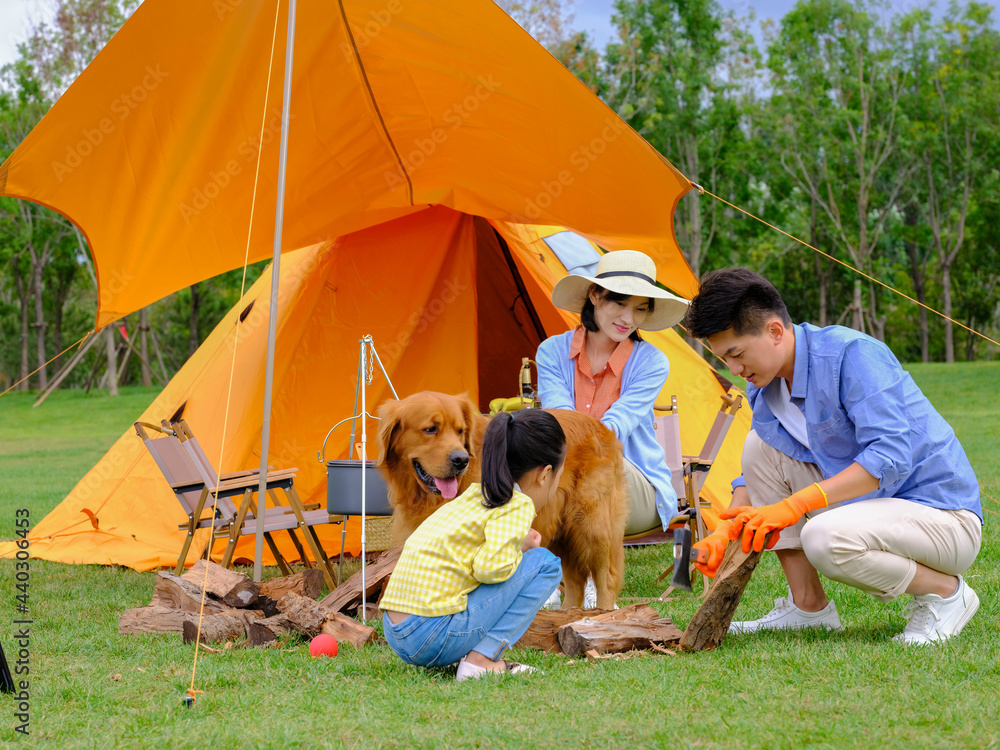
(462, 545)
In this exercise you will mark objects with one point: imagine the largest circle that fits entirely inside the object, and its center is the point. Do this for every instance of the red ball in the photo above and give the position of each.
(323, 645)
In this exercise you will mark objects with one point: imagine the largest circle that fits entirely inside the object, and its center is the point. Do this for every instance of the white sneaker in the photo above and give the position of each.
(590, 595)
(468, 671)
(786, 616)
(554, 601)
(934, 619)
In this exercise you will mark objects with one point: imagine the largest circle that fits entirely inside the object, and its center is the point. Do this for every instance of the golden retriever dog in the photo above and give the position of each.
(429, 447)
(429, 454)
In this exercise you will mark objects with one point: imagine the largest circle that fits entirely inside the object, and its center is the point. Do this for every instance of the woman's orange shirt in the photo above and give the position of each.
(595, 393)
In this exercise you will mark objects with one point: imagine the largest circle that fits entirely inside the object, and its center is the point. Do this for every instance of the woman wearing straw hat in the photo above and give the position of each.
(603, 368)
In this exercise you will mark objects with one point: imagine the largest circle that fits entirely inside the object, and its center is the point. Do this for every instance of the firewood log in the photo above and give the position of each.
(223, 626)
(584, 636)
(175, 592)
(262, 632)
(308, 583)
(152, 619)
(542, 633)
(234, 589)
(348, 630)
(711, 622)
(348, 594)
(305, 615)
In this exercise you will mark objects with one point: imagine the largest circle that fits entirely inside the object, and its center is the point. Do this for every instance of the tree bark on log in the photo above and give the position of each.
(224, 626)
(348, 594)
(711, 622)
(542, 634)
(234, 589)
(613, 637)
(306, 616)
(308, 583)
(348, 630)
(174, 592)
(264, 631)
(152, 619)
(372, 612)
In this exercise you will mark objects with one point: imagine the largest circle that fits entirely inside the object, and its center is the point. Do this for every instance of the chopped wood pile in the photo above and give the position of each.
(236, 608)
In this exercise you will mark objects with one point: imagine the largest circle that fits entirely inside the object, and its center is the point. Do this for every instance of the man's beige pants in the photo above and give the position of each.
(873, 545)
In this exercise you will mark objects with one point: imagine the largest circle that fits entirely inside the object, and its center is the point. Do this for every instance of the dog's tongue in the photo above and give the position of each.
(447, 487)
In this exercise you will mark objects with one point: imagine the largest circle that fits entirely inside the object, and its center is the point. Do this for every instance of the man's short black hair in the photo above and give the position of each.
(734, 298)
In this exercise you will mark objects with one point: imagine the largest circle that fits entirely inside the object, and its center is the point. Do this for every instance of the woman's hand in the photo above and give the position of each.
(532, 540)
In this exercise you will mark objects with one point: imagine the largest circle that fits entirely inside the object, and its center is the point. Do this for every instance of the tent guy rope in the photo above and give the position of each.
(71, 346)
(703, 191)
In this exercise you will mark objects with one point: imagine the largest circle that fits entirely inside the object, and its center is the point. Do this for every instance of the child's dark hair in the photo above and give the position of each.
(513, 445)
(587, 313)
(735, 298)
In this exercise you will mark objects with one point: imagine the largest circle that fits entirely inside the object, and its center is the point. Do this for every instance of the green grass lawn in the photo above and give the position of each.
(90, 687)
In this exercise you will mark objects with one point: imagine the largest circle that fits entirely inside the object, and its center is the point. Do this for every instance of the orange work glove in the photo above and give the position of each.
(711, 549)
(756, 523)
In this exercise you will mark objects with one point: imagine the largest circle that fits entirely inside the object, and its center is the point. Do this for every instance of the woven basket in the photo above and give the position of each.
(378, 533)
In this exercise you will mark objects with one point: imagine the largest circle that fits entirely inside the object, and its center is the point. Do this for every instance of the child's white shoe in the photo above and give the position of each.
(468, 671)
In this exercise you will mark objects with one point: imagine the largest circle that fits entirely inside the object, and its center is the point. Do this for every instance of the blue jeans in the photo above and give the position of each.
(496, 616)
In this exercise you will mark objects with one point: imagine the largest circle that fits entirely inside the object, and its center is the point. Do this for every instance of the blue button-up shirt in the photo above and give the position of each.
(862, 406)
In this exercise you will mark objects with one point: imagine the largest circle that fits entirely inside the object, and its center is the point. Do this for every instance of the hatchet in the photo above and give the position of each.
(683, 555)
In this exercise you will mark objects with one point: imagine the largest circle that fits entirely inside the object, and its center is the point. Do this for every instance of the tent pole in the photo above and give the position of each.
(272, 323)
(365, 342)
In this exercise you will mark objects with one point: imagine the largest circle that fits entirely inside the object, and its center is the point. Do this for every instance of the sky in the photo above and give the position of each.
(16, 18)
(592, 16)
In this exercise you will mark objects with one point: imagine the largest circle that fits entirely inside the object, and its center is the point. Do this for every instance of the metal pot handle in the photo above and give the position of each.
(321, 454)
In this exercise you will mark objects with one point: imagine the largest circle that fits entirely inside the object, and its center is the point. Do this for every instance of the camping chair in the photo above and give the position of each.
(288, 517)
(688, 472)
(196, 494)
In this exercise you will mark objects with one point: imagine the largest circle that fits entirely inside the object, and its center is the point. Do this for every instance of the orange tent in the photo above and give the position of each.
(452, 301)
(424, 138)
(395, 106)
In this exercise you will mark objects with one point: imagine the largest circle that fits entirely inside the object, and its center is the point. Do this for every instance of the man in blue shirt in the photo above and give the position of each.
(847, 459)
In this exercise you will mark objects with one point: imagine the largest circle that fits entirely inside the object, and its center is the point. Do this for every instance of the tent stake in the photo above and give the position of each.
(272, 323)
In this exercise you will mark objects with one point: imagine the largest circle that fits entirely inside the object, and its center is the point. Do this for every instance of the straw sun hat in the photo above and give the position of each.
(626, 272)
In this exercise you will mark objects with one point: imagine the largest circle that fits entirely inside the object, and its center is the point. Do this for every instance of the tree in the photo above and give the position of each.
(547, 21)
(40, 246)
(677, 75)
(58, 52)
(838, 92)
(30, 233)
(916, 47)
(961, 105)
